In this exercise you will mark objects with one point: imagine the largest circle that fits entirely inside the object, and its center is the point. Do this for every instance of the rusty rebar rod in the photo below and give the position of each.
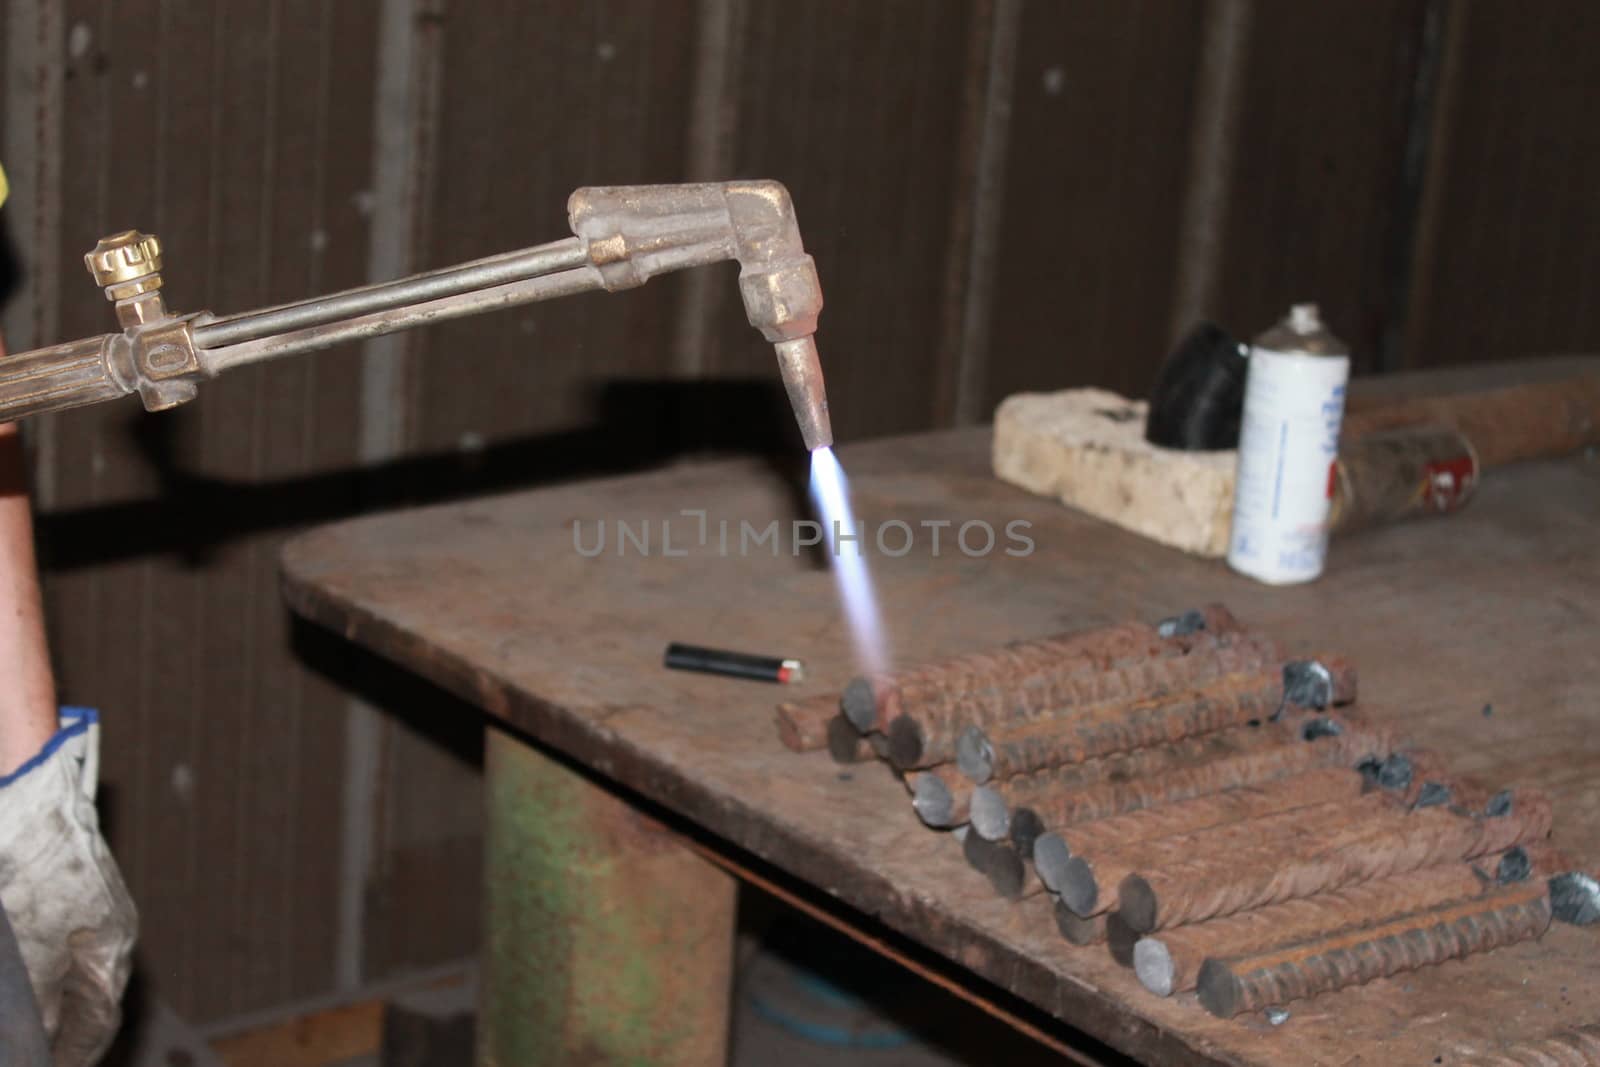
(1268, 763)
(1168, 961)
(1090, 887)
(1313, 803)
(1529, 420)
(930, 726)
(1575, 1047)
(927, 731)
(1107, 728)
(803, 724)
(873, 702)
(1204, 888)
(1120, 939)
(999, 803)
(1449, 931)
(1198, 813)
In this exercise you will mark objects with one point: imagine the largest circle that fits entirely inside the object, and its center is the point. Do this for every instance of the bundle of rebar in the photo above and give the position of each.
(1170, 961)
(1213, 811)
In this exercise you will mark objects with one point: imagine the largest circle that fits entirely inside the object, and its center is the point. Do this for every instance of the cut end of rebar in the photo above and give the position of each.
(1152, 963)
(974, 755)
(999, 863)
(1192, 621)
(844, 743)
(1575, 898)
(1076, 929)
(1136, 903)
(1120, 940)
(1395, 772)
(860, 704)
(1006, 872)
(978, 853)
(1320, 727)
(1499, 805)
(931, 800)
(1050, 859)
(1433, 795)
(1307, 684)
(1219, 992)
(1368, 768)
(1514, 866)
(1026, 829)
(906, 743)
(975, 850)
(989, 817)
(1078, 887)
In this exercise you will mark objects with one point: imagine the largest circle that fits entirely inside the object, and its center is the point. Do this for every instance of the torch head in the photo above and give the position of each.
(782, 296)
(634, 232)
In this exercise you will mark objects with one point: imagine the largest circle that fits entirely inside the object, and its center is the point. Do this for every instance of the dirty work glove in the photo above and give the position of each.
(74, 921)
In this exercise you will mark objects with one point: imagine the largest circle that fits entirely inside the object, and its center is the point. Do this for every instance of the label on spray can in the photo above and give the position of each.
(1288, 442)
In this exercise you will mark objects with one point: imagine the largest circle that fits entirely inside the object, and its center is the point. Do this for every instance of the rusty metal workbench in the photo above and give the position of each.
(1499, 605)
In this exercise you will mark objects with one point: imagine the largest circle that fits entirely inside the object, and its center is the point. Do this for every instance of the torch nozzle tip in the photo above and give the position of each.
(802, 380)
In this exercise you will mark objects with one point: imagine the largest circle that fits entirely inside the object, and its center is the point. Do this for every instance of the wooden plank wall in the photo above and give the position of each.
(1000, 194)
(241, 135)
(1089, 226)
(1508, 251)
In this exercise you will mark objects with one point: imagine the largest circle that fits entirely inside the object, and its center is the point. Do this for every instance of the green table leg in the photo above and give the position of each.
(606, 941)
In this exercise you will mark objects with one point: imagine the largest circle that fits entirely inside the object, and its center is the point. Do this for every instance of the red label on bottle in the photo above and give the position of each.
(1449, 483)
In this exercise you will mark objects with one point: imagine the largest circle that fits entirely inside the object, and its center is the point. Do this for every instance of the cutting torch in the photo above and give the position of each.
(622, 237)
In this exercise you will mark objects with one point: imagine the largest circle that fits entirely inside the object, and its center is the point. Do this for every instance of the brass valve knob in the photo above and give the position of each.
(126, 264)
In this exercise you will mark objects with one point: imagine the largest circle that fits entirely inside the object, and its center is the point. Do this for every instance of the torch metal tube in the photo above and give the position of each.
(378, 323)
(432, 285)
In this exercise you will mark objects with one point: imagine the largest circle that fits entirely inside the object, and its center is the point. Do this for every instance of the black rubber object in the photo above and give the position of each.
(1198, 398)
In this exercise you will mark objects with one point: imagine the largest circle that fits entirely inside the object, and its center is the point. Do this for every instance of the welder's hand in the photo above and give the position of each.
(74, 921)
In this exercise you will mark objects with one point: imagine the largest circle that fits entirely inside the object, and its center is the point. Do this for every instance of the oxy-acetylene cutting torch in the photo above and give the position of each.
(623, 236)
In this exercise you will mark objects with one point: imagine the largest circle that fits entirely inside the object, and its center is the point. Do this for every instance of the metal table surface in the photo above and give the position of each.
(1498, 605)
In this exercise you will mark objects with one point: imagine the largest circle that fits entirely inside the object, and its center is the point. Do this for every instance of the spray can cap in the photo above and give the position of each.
(1305, 318)
(1302, 332)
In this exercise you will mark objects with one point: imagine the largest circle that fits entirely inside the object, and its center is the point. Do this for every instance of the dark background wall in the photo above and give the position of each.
(1000, 195)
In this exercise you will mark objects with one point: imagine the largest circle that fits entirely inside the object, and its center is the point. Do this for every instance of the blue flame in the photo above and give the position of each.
(845, 542)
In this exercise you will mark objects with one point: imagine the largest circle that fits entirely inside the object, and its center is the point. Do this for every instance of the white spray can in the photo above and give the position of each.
(1288, 441)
